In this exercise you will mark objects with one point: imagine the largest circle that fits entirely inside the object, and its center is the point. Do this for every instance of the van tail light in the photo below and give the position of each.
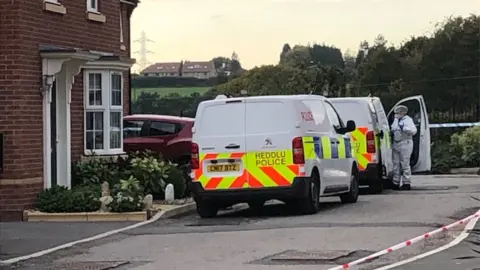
(297, 148)
(194, 160)
(371, 142)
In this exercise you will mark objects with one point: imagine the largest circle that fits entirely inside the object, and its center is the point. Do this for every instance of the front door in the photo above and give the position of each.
(417, 110)
(53, 135)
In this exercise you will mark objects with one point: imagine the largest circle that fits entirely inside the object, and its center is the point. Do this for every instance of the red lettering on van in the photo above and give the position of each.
(307, 116)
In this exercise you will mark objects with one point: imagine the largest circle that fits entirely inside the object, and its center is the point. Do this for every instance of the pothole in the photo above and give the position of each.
(313, 257)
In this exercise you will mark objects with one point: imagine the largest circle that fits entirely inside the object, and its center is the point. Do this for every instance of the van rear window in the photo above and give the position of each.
(353, 111)
(220, 120)
(267, 117)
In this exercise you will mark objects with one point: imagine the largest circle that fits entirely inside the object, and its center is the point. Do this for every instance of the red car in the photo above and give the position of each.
(170, 136)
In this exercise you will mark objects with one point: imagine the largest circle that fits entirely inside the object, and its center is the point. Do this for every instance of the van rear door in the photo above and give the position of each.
(220, 136)
(269, 130)
(417, 110)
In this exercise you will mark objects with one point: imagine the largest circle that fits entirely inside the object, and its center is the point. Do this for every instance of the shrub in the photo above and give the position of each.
(127, 196)
(95, 171)
(467, 143)
(60, 199)
(177, 179)
(151, 173)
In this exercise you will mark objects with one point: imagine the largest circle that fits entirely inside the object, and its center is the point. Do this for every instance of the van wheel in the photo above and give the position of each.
(310, 204)
(206, 209)
(256, 205)
(352, 195)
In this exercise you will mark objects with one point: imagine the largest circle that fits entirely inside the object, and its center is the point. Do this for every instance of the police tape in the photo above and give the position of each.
(450, 125)
(406, 243)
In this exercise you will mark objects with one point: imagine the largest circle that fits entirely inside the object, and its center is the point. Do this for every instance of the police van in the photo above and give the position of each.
(252, 149)
(372, 142)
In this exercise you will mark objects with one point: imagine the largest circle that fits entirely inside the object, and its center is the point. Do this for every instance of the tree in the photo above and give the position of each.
(285, 50)
(328, 56)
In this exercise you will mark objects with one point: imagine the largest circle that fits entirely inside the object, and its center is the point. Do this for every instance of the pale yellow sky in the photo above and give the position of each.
(257, 29)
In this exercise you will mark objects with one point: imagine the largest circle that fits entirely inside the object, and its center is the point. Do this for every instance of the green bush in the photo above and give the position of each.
(95, 171)
(151, 173)
(467, 143)
(60, 199)
(176, 177)
(127, 196)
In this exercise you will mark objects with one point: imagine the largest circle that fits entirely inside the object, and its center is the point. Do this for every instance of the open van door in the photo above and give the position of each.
(417, 110)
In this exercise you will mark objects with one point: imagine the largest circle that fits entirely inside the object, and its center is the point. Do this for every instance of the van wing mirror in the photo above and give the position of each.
(351, 126)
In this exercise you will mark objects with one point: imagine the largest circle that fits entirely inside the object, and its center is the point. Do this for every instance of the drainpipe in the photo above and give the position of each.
(130, 91)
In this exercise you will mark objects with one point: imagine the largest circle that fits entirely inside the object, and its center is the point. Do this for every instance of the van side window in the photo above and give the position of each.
(333, 116)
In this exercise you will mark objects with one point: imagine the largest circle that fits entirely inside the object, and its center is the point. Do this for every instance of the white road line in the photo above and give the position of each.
(89, 239)
(465, 233)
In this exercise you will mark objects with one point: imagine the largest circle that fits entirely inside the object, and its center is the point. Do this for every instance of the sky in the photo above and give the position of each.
(198, 30)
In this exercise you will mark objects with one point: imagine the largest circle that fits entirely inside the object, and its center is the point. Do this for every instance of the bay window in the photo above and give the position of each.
(103, 112)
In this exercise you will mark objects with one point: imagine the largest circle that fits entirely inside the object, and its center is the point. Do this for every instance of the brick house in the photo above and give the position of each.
(189, 69)
(163, 70)
(199, 70)
(64, 87)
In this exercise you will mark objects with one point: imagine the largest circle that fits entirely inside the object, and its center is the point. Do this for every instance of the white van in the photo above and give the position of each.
(253, 149)
(372, 141)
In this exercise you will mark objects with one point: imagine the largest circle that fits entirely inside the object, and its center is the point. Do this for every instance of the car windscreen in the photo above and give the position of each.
(356, 111)
(222, 120)
(267, 117)
(132, 128)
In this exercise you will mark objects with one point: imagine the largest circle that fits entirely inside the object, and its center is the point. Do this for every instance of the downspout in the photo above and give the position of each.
(130, 91)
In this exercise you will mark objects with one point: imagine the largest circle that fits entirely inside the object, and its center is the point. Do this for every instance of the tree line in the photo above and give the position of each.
(443, 67)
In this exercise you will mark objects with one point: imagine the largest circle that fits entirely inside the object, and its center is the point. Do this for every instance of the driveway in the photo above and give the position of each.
(279, 239)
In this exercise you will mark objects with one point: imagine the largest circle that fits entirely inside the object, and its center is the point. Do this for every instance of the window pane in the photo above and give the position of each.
(116, 82)
(93, 4)
(98, 119)
(132, 129)
(89, 140)
(89, 121)
(115, 140)
(91, 97)
(98, 140)
(162, 129)
(98, 97)
(116, 98)
(115, 118)
(116, 90)
(95, 89)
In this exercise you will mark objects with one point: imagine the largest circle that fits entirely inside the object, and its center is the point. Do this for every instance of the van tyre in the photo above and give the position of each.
(310, 204)
(352, 195)
(206, 209)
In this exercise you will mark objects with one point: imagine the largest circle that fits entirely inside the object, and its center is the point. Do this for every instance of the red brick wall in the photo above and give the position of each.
(24, 26)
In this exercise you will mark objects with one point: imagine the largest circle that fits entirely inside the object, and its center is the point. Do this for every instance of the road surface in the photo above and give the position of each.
(278, 239)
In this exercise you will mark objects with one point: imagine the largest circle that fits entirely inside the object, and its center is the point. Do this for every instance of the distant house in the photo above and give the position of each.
(172, 69)
(199, 70)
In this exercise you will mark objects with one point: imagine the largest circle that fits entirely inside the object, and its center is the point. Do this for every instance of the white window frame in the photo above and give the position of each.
(106, 108)
(51, 1)
(90, 8)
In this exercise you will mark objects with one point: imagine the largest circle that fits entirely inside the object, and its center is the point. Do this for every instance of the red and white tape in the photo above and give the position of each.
(407, 243)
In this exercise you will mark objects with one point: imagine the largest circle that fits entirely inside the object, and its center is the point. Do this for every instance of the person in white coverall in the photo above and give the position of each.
(403, 129)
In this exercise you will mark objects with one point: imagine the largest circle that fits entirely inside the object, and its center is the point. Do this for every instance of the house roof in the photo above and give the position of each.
(198, 66)
(163, 67)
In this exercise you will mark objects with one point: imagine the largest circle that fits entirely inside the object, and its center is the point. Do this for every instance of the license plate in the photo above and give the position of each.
(235, 167)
